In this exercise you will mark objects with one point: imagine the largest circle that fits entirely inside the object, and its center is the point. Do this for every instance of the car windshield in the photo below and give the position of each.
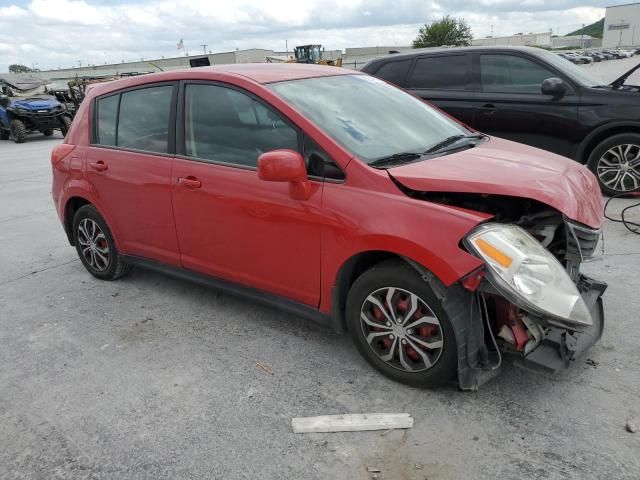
(578, 74)
(369, 117)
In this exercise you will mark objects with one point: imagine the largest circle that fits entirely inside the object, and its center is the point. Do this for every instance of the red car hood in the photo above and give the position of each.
(501, 167)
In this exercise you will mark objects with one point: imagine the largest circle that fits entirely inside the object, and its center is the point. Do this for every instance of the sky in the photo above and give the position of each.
(63, 33)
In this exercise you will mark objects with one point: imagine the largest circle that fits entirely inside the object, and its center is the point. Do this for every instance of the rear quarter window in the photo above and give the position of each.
(107, 118)
(394, 72)
(440, 73)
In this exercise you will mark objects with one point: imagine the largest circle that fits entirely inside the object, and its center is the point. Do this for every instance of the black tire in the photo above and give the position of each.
(600, 163)
(65, 125)
(48, 133)
(114, 267)
(4, 134)
(18, 131)
(402, 276)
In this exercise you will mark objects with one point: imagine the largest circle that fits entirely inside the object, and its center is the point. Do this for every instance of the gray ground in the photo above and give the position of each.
(150, 377)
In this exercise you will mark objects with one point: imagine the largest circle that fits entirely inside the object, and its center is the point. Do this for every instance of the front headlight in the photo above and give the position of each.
(528, 275)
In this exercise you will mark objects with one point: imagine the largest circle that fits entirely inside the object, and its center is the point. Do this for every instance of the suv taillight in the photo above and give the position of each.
(60, 151)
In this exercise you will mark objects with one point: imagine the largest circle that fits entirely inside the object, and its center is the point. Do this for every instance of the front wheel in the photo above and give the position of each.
(18, 131)
(616, 163)
(65, 125)
(401, 326)
(95, 245)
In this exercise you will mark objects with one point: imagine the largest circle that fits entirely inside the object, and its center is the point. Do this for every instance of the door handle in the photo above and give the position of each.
(189, 182)
(488, 109)
(99, 166)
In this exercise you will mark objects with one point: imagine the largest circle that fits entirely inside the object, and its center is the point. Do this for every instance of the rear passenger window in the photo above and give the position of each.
(107, 117)
(225, 125)
(143, 122)
(394, 72)
(440, 73)
(137, 119)
(511, 74)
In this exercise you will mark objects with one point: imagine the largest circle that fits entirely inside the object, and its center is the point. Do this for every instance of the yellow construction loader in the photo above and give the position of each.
(313, 54)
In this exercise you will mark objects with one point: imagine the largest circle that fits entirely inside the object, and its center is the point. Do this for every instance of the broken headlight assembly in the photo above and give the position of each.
(528, 275)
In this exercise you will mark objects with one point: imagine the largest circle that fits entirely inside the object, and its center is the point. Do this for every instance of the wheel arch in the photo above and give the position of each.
(349, 272)
(600, 134)
(72, 205)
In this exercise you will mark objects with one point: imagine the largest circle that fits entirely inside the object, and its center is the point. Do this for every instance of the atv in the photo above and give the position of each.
(23, 109)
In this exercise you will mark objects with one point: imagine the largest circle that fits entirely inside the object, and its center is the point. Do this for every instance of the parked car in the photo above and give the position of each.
(23, 109)
(434, 246)
(571, 58)
(605, 55)
(532, 96)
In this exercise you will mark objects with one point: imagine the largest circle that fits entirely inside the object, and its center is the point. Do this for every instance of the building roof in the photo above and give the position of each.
(623, 5)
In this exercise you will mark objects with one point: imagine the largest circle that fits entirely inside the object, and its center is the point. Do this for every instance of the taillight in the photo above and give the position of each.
(60, 151)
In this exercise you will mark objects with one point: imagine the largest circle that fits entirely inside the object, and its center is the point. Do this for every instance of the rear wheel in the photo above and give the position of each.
(616, 163)
(95, 245)
(65, 125)
(401, 326)
(48, 133)
(18, 131)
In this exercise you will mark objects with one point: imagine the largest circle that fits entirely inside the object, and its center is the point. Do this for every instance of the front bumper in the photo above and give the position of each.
(560, 347)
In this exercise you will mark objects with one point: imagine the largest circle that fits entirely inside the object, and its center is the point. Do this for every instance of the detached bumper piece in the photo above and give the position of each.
(561, 347)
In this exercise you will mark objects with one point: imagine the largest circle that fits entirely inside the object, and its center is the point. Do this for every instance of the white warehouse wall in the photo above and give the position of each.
(622, 26)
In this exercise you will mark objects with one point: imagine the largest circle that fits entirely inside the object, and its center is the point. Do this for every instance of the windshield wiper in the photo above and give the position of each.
(402, 157)
(450, 141)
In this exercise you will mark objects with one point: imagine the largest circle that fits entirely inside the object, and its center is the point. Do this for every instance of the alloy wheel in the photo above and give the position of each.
(94, 245)
(401, 329)
(619, 168)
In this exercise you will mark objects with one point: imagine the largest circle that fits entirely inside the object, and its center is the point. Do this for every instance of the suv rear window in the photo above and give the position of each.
(440, 73)
(394, 72)
(136, 119)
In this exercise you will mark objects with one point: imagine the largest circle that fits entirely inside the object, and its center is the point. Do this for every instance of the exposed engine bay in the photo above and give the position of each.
(501, 327)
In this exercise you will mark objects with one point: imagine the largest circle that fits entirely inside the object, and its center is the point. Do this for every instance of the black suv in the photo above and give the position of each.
(531, 96)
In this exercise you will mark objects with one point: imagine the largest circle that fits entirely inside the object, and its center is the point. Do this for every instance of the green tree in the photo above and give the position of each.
(448, 31)
(15, 68)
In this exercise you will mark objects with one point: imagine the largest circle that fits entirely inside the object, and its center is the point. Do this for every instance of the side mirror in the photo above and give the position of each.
(285, 166)
(4, 101)
(554, 86)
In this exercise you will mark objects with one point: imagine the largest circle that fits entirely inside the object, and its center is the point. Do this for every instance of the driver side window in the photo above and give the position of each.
(511, 74)
(228, 126)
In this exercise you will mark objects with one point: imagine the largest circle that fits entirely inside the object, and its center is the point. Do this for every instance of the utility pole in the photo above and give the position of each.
(621, 24)
(204, 47)
(286, 46)
(582, 37)
(491, 31)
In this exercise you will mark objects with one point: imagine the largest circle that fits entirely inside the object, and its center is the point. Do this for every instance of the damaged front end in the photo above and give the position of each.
(530, 300)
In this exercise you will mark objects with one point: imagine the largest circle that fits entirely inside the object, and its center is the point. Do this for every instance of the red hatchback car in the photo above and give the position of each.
(346, 200)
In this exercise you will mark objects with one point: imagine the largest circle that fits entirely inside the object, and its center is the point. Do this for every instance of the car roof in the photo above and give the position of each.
(262, 73)
(439, 50)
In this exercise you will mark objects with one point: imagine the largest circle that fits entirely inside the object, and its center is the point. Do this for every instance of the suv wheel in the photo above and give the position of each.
(18, 131)
(95, 245)
(65, 125)
(616, 163)
(401, 326)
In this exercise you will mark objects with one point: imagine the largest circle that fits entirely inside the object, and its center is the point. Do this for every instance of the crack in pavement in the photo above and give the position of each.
(35, 272)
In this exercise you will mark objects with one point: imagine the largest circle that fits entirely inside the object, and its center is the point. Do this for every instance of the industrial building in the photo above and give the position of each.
(622, 26)
(254, 55)
(575, 41)
(530, 39)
